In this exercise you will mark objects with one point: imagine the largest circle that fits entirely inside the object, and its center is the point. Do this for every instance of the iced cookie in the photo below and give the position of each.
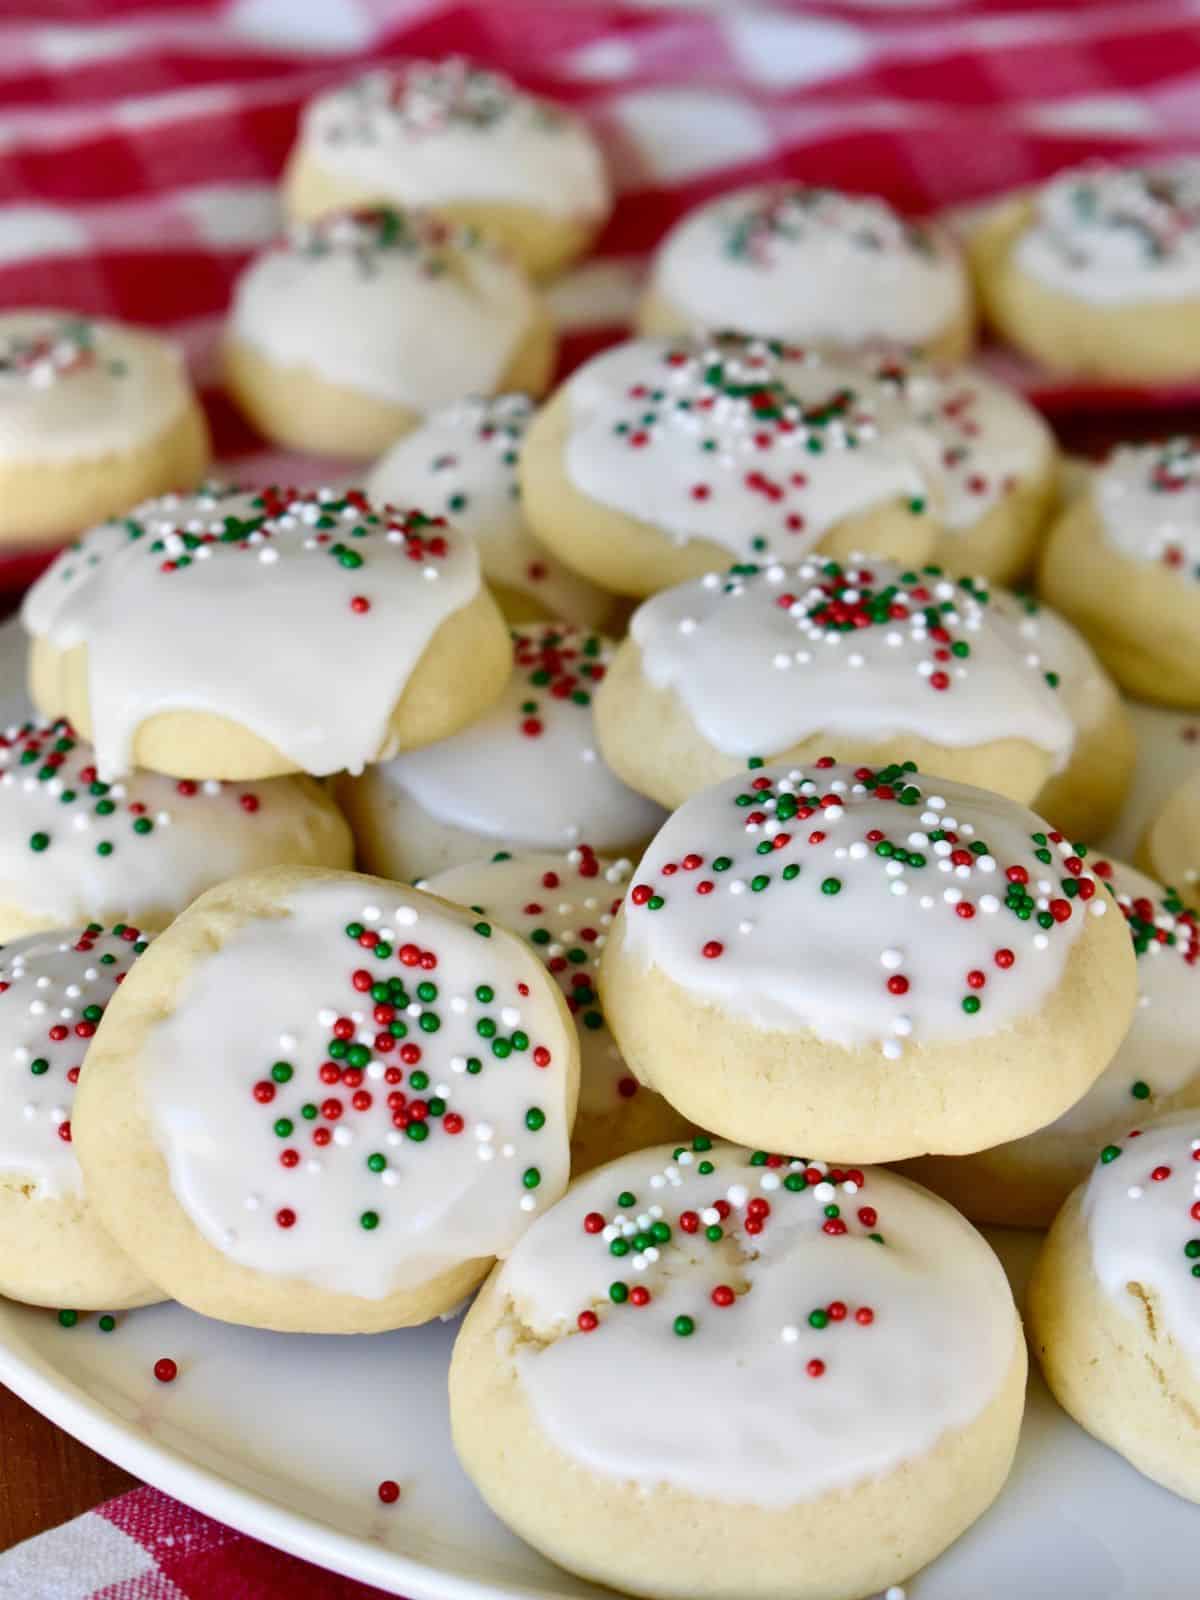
(526, 776)
(717, 1372)
(1170, 846)
(658, 461)
(1156, 1069)
(466, 141)
(242, 634)
(327, 1103)
(1114, 1303)
(462, 463)
(139, 849)
(54, 988)
(891, 964)
(1098, 273)
(868, 661)
(1123, 564)
(94, 416)
(564, 905)
(354, 328)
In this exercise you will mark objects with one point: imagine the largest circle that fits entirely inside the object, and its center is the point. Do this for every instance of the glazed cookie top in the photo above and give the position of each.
(299, 615)
(463, 463)
(433, 132)
(53, 991)
(400, 304)
(867, 907)
(798, 262)
(1052, 646)
(755, 445)
(362, 1092)
(145, 846)
(1116, 235)
(1147, 498)
(762, 658)
(746, 1316)
(528, 773)
(75, 386)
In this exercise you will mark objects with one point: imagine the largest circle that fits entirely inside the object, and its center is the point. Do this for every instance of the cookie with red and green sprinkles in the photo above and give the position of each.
(692, 1359)
(887, 963)
(54, 990)
(328, 1102)
(141, 847)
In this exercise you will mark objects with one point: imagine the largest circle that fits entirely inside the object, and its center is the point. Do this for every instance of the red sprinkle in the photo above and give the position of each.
(166, 1370)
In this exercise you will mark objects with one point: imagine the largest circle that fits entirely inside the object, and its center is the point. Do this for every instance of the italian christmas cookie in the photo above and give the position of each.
(683, 1380)
(868, 661)
(1098, 272)
(1170, 846)
(464, 140)
(564, 905)
(327, 1103)
(1113, 1303)
(1156, 1069)
(658, 461)
(812, 265)
(54, 988)
(462, 463)
(94, 416)
(1123, 564)
(527, 775)
(242, 634)
(141, 848)
(896, 965)
(348, 333)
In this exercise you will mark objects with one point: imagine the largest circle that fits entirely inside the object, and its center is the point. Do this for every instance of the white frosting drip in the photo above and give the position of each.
(828, 948)
(281, 991)
(443, 131)
(762, 660)
(1147, 498)
(263, 628)
(735, 1410)
(398, 305)
(815, 265)
(73, 386)
(53, 986)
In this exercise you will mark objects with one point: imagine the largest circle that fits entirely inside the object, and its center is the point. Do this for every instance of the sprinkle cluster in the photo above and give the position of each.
(367, 234)
(799, 213)
(44, 356)
(1160, 1174)
(1166, 475)
(1156, 210)
(564, 664)
(498, 425)
(427, 98)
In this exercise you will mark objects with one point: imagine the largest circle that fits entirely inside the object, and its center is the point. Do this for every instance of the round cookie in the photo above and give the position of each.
(869, 662)
(326, 1103)
(1156, 1069)
(463, 140)
(242, 634)
(1123, 564)
(1170, 846)
(347, 334)
(525, 776)
(563, 905)
(793, 261)
(94, 416)
(462, 462)
(1114, 1305)
(658, 461)
(793, 1382)
(140, 849)
(1098, 272)
(792, 934)
(54, 988)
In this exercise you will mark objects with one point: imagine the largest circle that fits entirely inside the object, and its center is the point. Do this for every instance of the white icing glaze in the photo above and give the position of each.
(432, 132)
(53, 989)
(759, 448)
(281, 990)
(1168, 753)
(761, 660)
(1147, 499)
(1051, 645)
(463, 463)
(242, 603)
(1115, 236)
(790, 261)
(528, 773)
(73, 386)
(399, 305)
(735, 1410)
(828, 948)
